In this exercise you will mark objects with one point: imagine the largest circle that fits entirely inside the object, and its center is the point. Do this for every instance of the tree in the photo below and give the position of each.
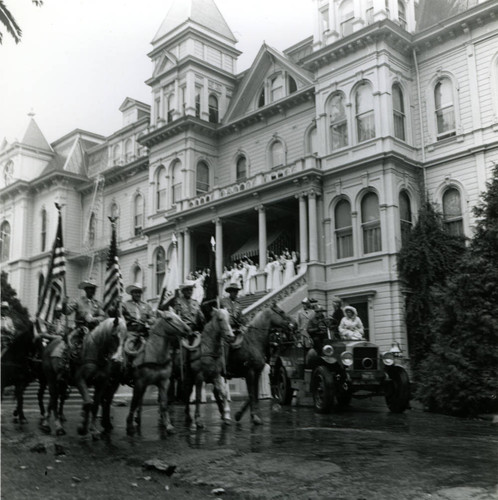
(9, 22)
(425, 261)
(460, 376)
(18, 313)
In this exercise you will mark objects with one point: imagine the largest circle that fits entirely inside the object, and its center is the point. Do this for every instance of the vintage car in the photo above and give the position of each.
(339, 371)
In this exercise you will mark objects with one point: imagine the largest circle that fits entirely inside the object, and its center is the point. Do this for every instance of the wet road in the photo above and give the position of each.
(363, 453)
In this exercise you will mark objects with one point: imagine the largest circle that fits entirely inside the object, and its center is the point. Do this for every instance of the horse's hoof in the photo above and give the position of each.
(23, 421)
(170, 429)
(227, 421)
(45, 428)
(238, 416)
(256, 420)
(60, 432)
(82, 431)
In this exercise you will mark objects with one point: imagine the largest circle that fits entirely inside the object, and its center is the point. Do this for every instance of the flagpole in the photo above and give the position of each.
(59, 208)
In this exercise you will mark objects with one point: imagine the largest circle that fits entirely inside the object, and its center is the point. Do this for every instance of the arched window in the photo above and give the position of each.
(213, 109)
(241, 169)
(402, 14)
(137, 275)
(41, 283)
(8, 172)
(276, 88)
(159, 269)
(161, 189)
(202, 178)
(312, 145)
(176, 182)
(129, 150)
(292, 85)
(370, 223)
(198, 105)
(364, 110)
(338, 122)
(43, 233)
(4, 241)
(261, 99)
(405, 216)
(452, 211)
(92, 229)
(346, 16)
(343, 229)
(444, 109)
(398, 112)
(138, 218)
(171, 107)
(116, 151)
(277, 154)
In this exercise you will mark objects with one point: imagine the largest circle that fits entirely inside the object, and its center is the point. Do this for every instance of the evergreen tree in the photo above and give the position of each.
(18, 313)
(460, 376)
(426, 259)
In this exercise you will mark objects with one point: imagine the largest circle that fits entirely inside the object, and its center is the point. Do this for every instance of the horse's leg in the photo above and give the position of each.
(255, 416)
(58, 405)
(164, 418)
(106, 406)
(247, 402)
(136, 402)
(19, 392)
(221, 395)
(87, 405)
(97, 400)
(41, 394)
(198, 395)
(187, 388)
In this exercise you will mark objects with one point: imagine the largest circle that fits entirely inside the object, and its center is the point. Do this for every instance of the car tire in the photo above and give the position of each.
(397, 390)
(323, 390)
(282, 390)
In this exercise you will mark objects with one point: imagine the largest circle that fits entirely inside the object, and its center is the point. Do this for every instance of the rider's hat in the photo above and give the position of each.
(5, 305)
(89, 283)
(187, 284)
(133, 288)
(233, 286)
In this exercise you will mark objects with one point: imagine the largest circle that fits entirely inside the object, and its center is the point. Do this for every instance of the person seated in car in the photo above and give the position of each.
(351, 327)
(318, 328)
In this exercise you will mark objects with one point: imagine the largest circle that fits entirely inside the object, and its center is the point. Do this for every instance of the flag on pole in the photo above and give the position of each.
(113, 287)
(171, 282)
(53, 290)
(211, 281)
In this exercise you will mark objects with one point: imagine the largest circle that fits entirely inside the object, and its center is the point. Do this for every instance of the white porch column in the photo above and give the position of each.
(262, 236)
(187, 248)
(219, 246)
(303, 229)
(180, 258)
(313, 226)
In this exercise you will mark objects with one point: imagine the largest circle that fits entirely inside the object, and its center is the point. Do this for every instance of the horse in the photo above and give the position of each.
(247, 355)
(20, 368)
(152, 365)
(205, 363)
(93, 368)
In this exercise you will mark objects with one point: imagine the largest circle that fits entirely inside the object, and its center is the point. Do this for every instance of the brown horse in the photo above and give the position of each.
(20, 367)
(206, 363)
(152, 366)
(92, 369)
(247, 356)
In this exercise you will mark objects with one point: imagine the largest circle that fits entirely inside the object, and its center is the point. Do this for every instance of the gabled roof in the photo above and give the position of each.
(265, 61)
(129, 103)
(431, 12)
(202, 12)
(34, 137)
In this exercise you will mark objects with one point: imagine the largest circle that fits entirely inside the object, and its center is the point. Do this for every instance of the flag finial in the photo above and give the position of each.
(213, 243)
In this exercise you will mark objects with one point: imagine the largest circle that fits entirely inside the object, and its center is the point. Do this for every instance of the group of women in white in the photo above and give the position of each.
(280, 269)
(244, 274)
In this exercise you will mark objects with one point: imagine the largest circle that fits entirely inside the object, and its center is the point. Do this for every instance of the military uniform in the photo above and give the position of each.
(189, 311)
(139, 315)
(234, 308)
(87, 312)
(318, 329)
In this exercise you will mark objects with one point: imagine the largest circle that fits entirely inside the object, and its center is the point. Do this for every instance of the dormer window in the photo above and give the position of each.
(241, 172)
(213, 109)
(402, 14)
(347, 17)
(8, 172)
(277, 88)
(261, 100)
(292, 85)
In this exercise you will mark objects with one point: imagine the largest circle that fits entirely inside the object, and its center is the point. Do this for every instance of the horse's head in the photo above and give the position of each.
(281, 320)
(221, 322)
(174, 324)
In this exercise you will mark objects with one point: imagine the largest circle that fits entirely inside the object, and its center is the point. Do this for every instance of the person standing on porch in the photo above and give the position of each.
(269, 273)
(289, 271)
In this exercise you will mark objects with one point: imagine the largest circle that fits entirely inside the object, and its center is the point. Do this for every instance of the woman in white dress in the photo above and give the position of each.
(290, 271)
(250, 285)
(243, 277)
(277, 274)
(269, 274)
(198, 293)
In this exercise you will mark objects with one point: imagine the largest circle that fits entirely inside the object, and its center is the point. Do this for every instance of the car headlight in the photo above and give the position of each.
(327, 350)
(388, 358)
(347, 358)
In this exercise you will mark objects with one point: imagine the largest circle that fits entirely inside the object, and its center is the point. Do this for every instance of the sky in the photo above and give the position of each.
(79, 59)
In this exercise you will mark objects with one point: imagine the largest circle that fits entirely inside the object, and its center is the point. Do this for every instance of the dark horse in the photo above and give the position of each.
(92, 369)
(206, 363)
(20, 367)
(152, 365)
(247, 356)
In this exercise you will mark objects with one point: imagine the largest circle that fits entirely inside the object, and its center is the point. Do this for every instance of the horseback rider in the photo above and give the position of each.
(55, 328)
(8, 330)
(88, 313)
(189, 309)
(233, 306)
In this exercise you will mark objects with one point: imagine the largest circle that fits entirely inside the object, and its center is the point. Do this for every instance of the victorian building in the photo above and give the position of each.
(326, 149)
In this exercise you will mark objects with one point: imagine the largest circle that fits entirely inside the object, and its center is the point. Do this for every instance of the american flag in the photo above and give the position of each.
(113, 288)
(211, 281)
(54, 287)
(171, 282)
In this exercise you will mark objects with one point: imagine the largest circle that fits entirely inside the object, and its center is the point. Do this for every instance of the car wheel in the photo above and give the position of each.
(282, 390)
(397, 390)
(323, 390)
